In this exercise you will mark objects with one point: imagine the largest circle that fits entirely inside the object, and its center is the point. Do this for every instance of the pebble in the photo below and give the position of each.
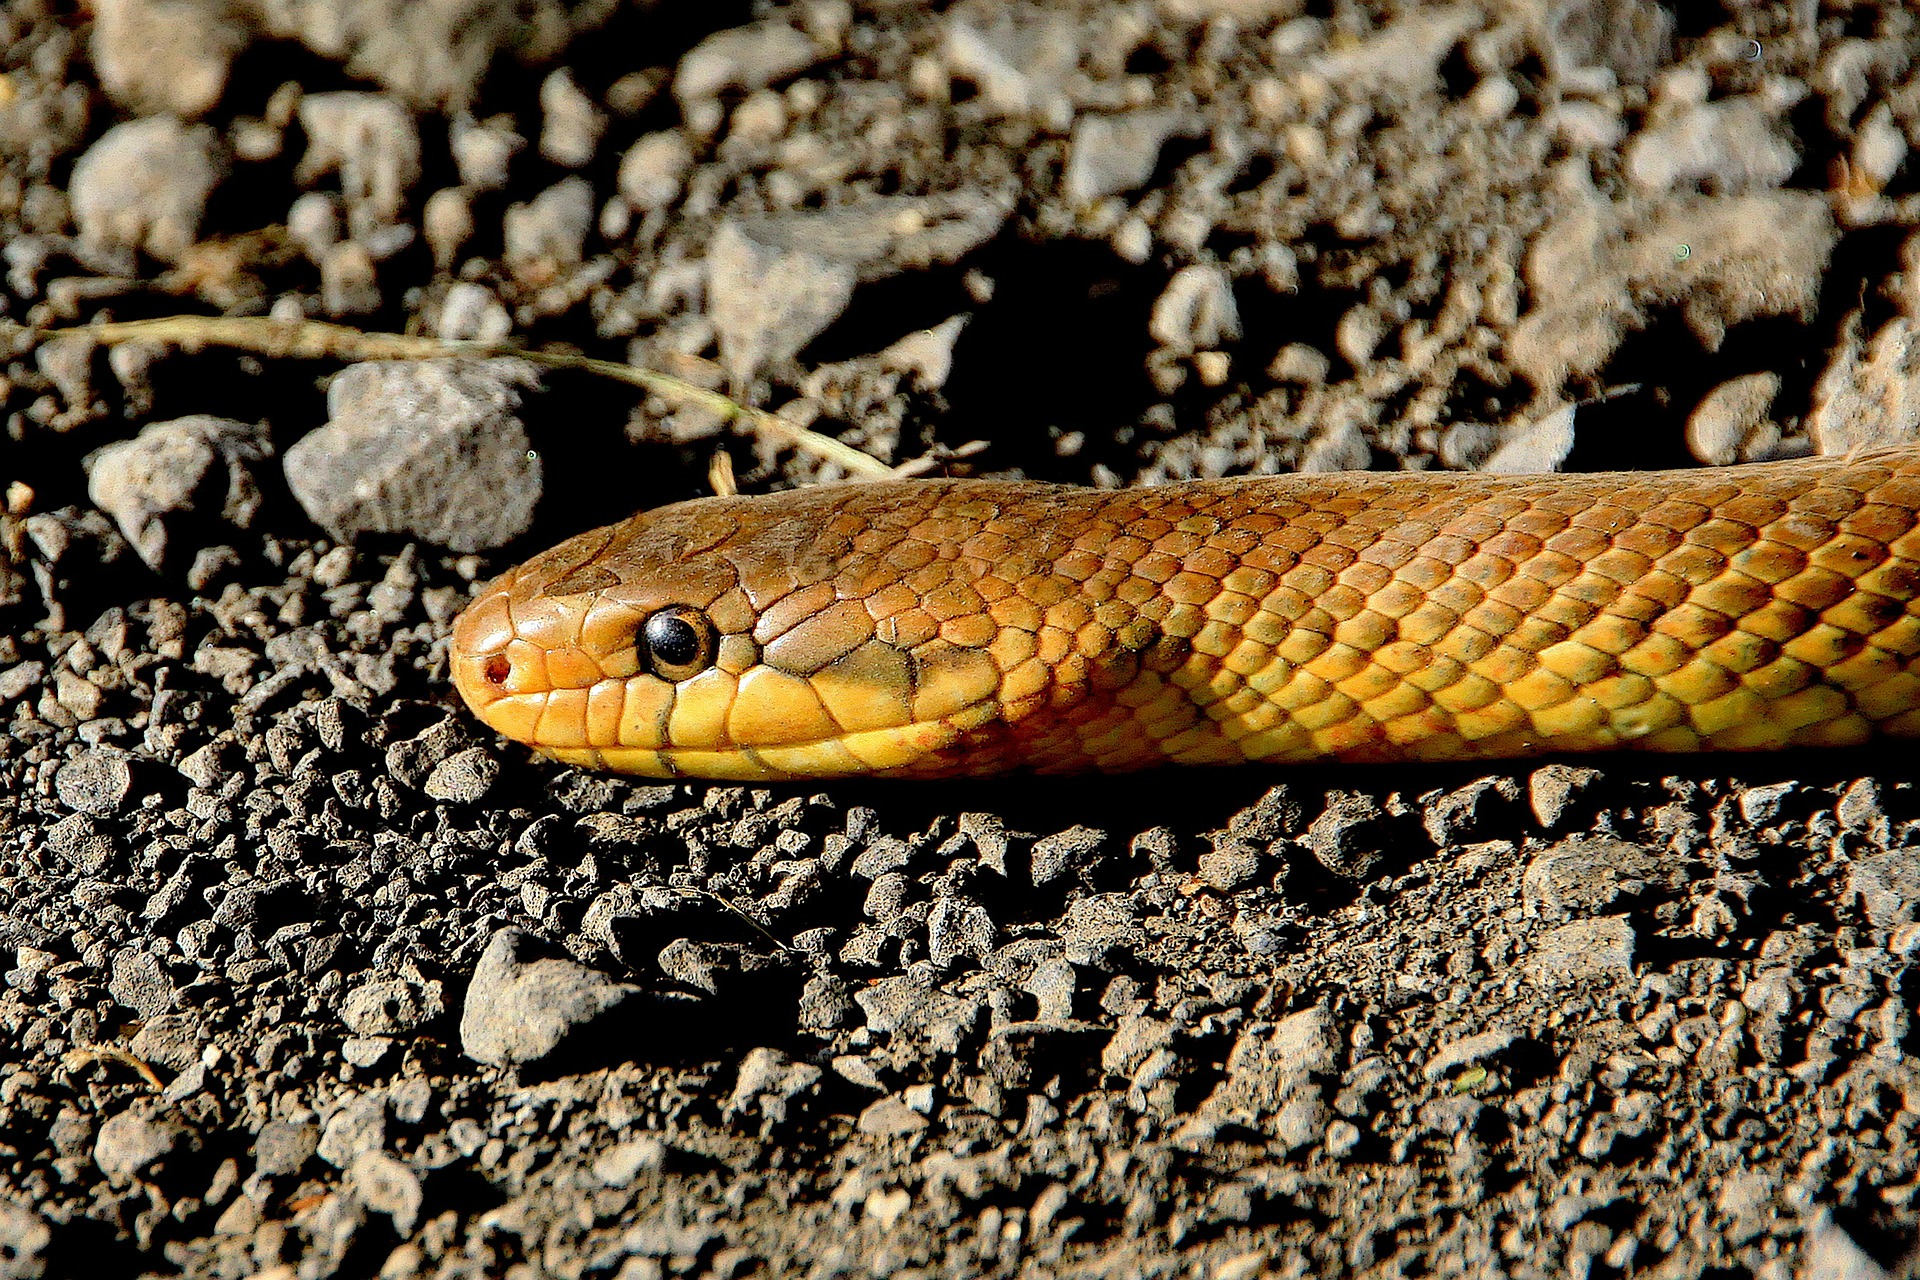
(385, 1185)
(145, 185)
(1868, 396)
(1728, 423)
(743, 58)
(132, 1142)
(518, 1009)
(24, 1237)
(432, 449)
(769, 1086)
(890, 1117)
(164, 59)
(767, 300)
(958, 928)
(170, 469)
(775, 282)
(1019, 59)
(1737, 144)
(359, 1126)
(391, 1007)
(571, 124)
(654, 169)
(620, 1165)
(1231, 864)
(1196, 311)
(463, 778)
(371, 141)
(483, 151)
(1077, 848)
(77, 839)
(1351, 835)
(1537, 447)
(1829, 1253)
(1555, 790)
(140, 982)
(1111, 154)
(547, 235)
(1466, 1052)
(1584, 874)
(170, 1040)
(1461, 815)
(283, 1147)
(349, 284)
(1887, 887)
(95, 782)
(1594, 948)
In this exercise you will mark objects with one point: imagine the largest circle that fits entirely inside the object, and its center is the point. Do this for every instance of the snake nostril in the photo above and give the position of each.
(497, 669)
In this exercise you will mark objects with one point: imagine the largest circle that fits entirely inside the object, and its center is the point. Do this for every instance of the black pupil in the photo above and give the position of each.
(672, 639)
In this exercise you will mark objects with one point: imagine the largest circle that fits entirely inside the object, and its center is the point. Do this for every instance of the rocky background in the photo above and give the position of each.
(306, 975)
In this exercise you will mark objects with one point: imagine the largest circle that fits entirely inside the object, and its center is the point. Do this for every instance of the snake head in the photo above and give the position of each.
(804, 635)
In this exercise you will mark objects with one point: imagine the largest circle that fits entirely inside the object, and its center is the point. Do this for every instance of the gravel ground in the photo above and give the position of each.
(307, 975)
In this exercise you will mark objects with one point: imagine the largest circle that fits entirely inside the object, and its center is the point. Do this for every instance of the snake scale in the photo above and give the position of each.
(944, 628)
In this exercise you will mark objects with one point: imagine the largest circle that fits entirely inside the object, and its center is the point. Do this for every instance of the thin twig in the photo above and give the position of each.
(318, 340)
(86, 1055)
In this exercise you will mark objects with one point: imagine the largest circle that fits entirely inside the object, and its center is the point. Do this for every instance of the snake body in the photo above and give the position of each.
(941, 628)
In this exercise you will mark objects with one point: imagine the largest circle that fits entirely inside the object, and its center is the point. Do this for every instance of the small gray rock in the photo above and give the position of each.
(890, 1117)
(24, 1237)
(776, 282)
(145, 184)
(957, 927)
(483, 151)
(365, 1052)
(170, 1040)
(283, 1147)
(1196, 311)
(743, 58)
(371, 141)
(1109, 154)
(768, 300)
(1583, 949)
(385, 1185)
(1460, 816)
(95, 782)
(1554, 791)
(1831, 1254)
(1584, 874)
(1887, 887)
(430, 448)
(1351, 835)
(131, 1143)
(464, 777)
(769, 1087)
(141, 983)
(654, 169)
(391, 1007)
(547, 235)
(619, 1166)
(1534, 448)
(1465, 1052)
(185, 465)
(169, 56)
(519, 1009)
(1231, 863)
(570, 123)
(359, 1126)
(77, 839)
(1056, 855)
(825, 1003)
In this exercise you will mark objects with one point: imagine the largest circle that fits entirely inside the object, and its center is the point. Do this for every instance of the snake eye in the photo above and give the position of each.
(679, 642)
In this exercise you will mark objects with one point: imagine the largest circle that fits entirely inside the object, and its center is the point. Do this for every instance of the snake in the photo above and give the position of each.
(946, 628)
